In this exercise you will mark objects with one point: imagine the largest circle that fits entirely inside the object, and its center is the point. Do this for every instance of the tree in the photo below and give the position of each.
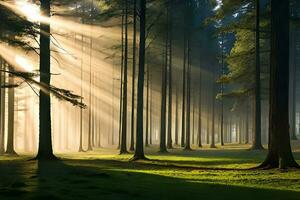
(10, 147)
(123, 143)
(256, 144)
(133, 74)
(279, 148)
(45, 151)
(170, 63)
(139, 150)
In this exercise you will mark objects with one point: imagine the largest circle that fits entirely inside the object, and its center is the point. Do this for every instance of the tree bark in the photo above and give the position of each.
(279, 152)
(256, 143)
(45, 151)
(10, 149)
(133, 75)
(139, 151)
(123, 144)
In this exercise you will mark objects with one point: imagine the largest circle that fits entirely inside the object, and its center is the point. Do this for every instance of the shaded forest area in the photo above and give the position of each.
(149, 99)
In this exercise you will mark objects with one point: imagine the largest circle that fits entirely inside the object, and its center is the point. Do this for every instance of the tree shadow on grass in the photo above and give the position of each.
(106, 180)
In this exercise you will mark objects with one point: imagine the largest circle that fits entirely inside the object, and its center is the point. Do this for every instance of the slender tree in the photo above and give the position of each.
(256, 143)
(10, 147)
(133, 74)
(123, 144)
(139, 150)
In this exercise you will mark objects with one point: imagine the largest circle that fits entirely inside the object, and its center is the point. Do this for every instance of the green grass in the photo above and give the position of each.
(201, 174)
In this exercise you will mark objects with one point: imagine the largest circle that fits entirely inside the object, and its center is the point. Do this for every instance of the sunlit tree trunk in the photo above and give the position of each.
(2, 107)
(139, 151)
(45, 151)
(11, 118)
(279, 151)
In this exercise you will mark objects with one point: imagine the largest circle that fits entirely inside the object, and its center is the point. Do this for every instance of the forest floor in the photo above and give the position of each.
(220, 173)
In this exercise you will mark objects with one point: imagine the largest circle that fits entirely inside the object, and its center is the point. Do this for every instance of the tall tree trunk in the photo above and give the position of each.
(212, 142)
(183, 98)
(188, 99)
(2, 107)
(45, 151)
(256, 143)
(176, 116)
(147, 107)
(133, 75)
(91, 124)
(200, 111)
(162, 146)
(121, 78)
(81, 94)
(123, 144)
(279, 151)
(11, 118)
(293, 84)
(139, 151)
(170, 63)
(222, 91)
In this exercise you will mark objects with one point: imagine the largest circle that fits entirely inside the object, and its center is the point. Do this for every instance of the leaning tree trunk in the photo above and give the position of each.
(139, 150)
(45, 151)
(279, 152)
(256, 143)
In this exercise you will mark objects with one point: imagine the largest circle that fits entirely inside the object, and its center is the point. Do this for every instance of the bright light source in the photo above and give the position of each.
(31, 11)
(24, 63)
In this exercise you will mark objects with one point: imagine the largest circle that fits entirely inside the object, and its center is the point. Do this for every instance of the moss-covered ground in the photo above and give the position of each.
(221, 173)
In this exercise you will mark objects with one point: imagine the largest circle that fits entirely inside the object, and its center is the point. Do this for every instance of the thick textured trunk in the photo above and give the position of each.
(45, 151)
(256, 143)
(139, 151)
(212, 142)
(279, 152)
(123, 144)
(133, 75)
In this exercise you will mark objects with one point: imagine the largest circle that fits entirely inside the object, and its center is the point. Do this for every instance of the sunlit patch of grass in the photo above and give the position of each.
(104, 174)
